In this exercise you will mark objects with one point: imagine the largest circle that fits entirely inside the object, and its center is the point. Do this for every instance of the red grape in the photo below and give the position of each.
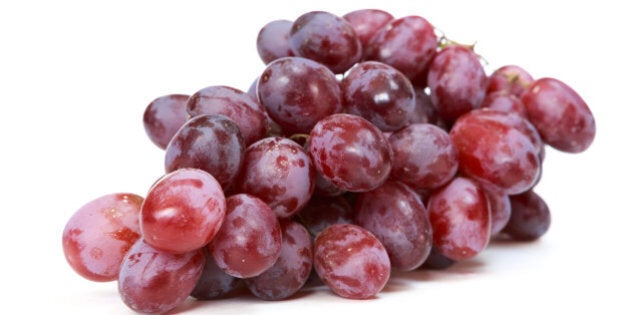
(250, 239)
(511, 79)
(379, 93)
(366, 22)
(396, 216)
(460, 217)
(351, 261)
(183, 211)
(298, 92)
(99, 234)
(163, 117)
(291, 270)
(530, 218)
(213, 143)
(561, 116)
(505, 102)
(350, 152)
(273, 41)
(500, 210)
(457, 82)
(153, 281)
(325, 38)
(278, 171)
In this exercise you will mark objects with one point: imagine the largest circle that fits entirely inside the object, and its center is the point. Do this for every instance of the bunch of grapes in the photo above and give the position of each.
(367, 144)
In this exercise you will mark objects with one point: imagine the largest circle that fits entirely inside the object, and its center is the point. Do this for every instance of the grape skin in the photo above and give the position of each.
(250, 239)
(366, 22)
(350, 152)
(163, 117)
(99, 234)
(530, 218)
(213, 282)
(153, 281)
(351, 261)
(500, 211)
(273, 41)
(183, 211)
(278, 171)
(323, 211)
(512, 79)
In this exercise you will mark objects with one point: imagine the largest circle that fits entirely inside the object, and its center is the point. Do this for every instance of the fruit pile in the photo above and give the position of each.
(367, 144)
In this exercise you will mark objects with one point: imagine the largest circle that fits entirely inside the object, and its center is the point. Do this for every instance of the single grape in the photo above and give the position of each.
(562, 117)
(511, 79)
(351, 261)
(278, 171)
(250, 239)
(396, 216)
(530, 218)
(495, 153)
(99, 234)
(424, 156)
(325, 38)
(273, 40)
(379, 93)
(500, 211)
(321, 212)
(298, 92)
(183, 211)
(408, 44)
(213, 143)
(460, 217)
(505, 102)
(153, 281)
(213, 282)
(366, 22)
(237, 105)
(350, 152)
(457, 81)
(163, 117)
(292, 269)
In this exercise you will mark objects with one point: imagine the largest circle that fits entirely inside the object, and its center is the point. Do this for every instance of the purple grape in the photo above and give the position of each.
(213, 282)
(273, 41)
(530, 218)
(163, 117)
(321, 212)
(511, 79)
(367, 22)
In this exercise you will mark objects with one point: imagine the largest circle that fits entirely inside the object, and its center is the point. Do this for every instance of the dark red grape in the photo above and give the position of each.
(366, 22)
(323, 187)
(213, 143)
(298, 92)
(495, 153)
(511, 79)
(325, 38)
(163, 117)
(351, 261)
(530, 218)
(457, 82)
(237, 105)
(407, 44)
(460, 217)
(290, 272)
(250, 238)
(213, 282)
(153, 281)
(505, 102)
(424, 111)
(396, 216)
(183, 211)
(321, 212)
(424, 156)
(278, 171)
(563, 119)
(350, 152)
(379, 93)
(99, 234)
(273, 40)
(500, 210)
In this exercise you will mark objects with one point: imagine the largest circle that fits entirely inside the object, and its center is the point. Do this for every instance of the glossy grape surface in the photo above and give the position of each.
(325, 38)
(562, 117)
(163, 117)
(153, 281)
(424, 156)
(213, 143)
(395, 214)
(273, 40)
(250, 239)
(99, 234)
(457, 81)
(237, 105)
(293, 267)
(379, 93)
(183, 211)
(298, 92)
(366, 22)
(350, 152)
(530, 218)
(351, 261)
(460, 217)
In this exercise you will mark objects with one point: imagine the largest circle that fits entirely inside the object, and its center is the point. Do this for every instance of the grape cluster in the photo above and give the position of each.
(367, 144)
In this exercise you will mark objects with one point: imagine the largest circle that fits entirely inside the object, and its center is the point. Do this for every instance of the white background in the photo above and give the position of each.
(75, 78)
